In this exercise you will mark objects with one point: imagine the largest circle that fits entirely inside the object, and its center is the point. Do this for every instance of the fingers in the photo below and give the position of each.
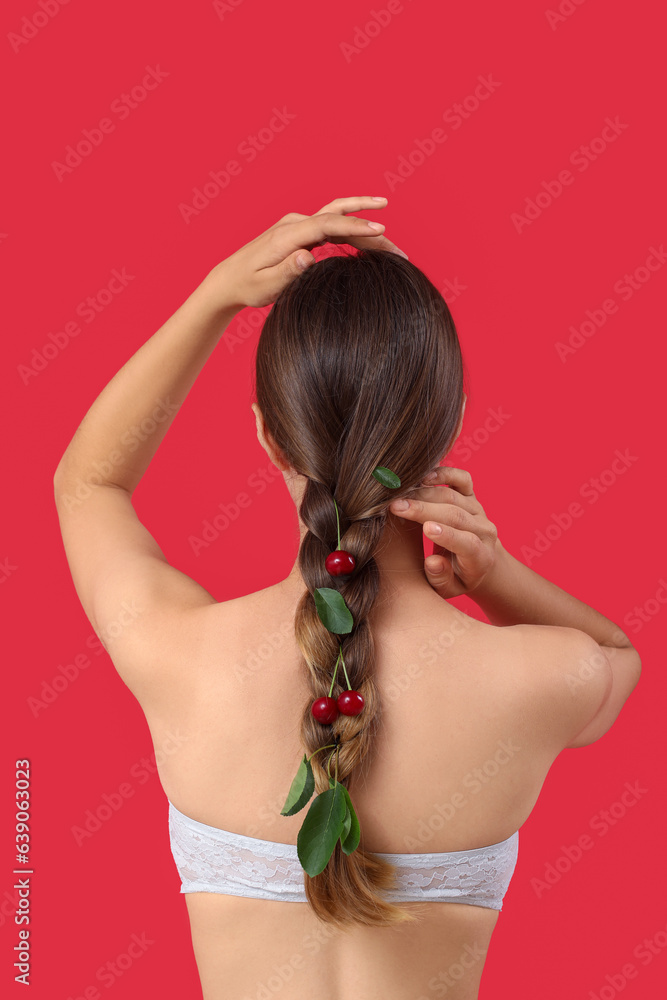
(442, 493)
(440, 574)
(356, 232)
(459, 489)
(361, 204)
(438, 514)
(448, 475)
(357, 204)
(379, 243)
(331, 226)
(286, 219)
(473, 558)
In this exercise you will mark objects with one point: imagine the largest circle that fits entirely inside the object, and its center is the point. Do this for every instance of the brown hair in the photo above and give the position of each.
(358, 365)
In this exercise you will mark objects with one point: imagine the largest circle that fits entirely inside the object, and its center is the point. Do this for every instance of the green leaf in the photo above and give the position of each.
(321, 829)
(331, 782)
(347, 823)
(333, 611)
(350, 841)
(302, 788)
(386, 477)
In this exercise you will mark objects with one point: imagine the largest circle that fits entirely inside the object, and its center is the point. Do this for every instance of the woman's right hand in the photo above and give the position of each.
(465, 548)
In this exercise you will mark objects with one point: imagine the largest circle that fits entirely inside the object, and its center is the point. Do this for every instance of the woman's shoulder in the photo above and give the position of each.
(557, 667)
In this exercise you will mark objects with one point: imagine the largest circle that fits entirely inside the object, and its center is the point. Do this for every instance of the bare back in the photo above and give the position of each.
(468, 731)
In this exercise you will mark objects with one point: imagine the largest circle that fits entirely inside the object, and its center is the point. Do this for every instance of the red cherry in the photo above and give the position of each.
(325, 710)
(339, 562)
(350, 702)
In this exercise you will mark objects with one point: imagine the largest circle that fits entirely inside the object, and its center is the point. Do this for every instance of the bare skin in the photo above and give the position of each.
(470, 709)
(235, 769)
(482, 714)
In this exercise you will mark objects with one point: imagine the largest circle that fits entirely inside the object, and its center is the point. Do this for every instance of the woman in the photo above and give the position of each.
(450, 725)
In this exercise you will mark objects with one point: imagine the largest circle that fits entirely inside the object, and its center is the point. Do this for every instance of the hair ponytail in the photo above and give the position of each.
(358, 365)
(348, 889)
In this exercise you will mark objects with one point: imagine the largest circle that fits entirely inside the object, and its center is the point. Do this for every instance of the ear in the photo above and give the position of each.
(266, 441)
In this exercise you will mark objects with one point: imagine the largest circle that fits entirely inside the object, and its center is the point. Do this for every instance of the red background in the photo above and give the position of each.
(357, 114)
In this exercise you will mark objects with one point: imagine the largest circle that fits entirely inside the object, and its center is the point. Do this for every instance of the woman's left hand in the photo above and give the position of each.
(257, 273)
(465, 544)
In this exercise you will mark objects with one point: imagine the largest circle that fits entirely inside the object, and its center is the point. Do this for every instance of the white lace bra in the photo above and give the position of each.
(213, 860)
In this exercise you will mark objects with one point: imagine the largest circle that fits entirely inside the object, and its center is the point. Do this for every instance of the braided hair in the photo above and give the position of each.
(358, 365)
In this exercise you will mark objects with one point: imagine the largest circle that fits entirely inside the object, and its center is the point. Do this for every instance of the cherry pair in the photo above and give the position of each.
(326, 710)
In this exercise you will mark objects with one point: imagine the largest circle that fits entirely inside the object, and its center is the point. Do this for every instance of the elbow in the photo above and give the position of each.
(632, 671)
(57, 482)
(61, 483)
(60, 474)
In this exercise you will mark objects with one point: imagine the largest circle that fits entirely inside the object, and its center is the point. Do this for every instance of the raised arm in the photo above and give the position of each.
(513, 594)
(128, 590)
(591, 654)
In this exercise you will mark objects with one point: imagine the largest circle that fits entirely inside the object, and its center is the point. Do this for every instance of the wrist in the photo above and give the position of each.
(491, 582)
(217, 292)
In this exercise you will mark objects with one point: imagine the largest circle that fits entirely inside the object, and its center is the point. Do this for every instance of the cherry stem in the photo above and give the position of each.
(321, 748)
(329, 763)
(336, 670)
(349, 686)
(337, 524)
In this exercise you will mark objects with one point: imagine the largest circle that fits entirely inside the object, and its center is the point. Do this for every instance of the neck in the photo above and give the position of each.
(399, 556)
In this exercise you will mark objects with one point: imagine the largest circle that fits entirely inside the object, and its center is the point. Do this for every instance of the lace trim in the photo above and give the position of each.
(212, 860)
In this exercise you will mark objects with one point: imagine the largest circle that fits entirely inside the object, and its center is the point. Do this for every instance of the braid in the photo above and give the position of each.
(358, 368)
(349, 888)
